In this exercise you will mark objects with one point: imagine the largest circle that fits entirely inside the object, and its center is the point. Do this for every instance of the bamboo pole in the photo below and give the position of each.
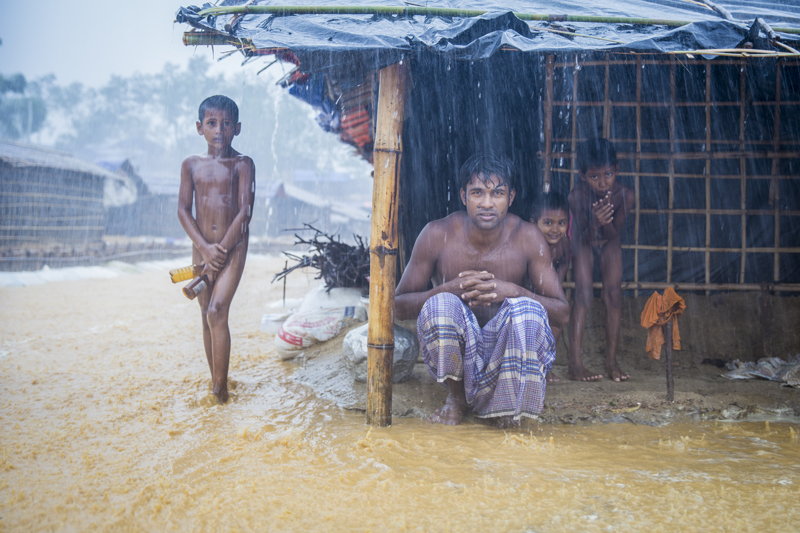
(655, 285)
(765, 314)
(387, 153)
(693, 176)
(628, 58)
(595, 103)
(694, 211)
(637, 170)
(607, 102)
(409, 10)
(668, 360)
(573, 161)
(759, 250)
(707, 172)
(671, 199)
(548, 124)
(699, 156)
(775, 184)
(743, 168)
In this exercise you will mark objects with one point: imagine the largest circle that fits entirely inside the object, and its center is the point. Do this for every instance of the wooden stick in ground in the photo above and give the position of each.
(387, 153)
(668, 360)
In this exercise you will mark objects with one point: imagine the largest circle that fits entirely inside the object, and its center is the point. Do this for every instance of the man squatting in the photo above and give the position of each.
(482, 332)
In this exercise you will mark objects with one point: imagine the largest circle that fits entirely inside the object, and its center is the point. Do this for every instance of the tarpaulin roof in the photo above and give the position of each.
(317, 39)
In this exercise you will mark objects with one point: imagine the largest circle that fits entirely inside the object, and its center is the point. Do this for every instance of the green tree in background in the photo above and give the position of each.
(150, 119)
(21, 113)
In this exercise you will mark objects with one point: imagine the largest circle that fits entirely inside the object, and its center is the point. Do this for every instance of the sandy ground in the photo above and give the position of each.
(721, 326)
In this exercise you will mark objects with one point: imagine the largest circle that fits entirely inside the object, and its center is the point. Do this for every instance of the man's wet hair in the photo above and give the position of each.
(550, 201)
(487, 164)
(596, 152)
(222, 103)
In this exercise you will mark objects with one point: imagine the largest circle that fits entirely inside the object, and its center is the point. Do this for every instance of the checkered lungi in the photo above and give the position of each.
(503, 364)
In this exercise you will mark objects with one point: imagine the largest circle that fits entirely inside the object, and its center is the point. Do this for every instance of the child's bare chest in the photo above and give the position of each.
(215, 178)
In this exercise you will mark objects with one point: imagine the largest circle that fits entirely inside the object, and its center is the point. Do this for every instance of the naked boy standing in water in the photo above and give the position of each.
(222, 184)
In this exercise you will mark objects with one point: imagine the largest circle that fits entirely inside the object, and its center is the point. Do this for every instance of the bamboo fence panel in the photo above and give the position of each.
(739, 150)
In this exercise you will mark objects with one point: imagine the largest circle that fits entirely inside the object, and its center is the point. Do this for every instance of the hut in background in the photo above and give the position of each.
(51, 197)
(289, 207)
(702, 101)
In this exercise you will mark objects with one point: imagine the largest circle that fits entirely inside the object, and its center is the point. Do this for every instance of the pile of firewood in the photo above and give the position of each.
(339, 264)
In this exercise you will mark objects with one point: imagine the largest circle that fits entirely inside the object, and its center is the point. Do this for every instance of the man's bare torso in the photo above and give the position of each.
(508, 260)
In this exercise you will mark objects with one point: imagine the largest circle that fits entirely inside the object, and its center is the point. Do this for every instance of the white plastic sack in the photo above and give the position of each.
(304, 329)
(321, 298)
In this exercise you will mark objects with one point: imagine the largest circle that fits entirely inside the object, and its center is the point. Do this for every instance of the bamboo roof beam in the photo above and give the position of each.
(410, 11)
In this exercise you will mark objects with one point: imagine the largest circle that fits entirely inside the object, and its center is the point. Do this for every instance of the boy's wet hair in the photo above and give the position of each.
(596, 153)
(487, 164)
(550, 201)
(222, 103)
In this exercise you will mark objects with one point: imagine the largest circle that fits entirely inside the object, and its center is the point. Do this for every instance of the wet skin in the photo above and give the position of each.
(599, 207)
(483, 256)
(222, 184)
(554, 224)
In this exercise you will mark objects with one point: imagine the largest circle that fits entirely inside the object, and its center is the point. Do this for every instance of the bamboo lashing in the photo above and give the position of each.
(387, 153)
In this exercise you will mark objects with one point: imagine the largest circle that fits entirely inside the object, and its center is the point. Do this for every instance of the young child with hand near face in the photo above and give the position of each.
(551, 216)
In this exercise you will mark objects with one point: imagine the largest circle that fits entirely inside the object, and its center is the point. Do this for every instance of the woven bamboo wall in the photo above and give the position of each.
(41, 205)
(718, 139)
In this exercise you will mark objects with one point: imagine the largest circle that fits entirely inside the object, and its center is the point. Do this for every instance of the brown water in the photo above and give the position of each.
(107, 425)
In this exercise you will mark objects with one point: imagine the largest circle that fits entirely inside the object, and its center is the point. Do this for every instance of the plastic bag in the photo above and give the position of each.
(304, 329)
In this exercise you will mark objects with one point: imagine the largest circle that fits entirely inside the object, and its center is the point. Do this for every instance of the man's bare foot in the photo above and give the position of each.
(451, 413)
(505, 422)
(552, 377)
(582, 374)
(615, 373)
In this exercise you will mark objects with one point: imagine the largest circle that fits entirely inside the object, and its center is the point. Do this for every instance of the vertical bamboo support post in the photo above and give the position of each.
(708, 177)
(637, 207)
(387, 153)
(573, 146)
(548, 124)
(765, 314)
(671, 201)
(743, 168)
(607, 102)
(668, 360)
(775, 184)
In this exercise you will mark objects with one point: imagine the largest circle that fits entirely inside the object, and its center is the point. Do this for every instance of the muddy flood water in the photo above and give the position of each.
(108, 426)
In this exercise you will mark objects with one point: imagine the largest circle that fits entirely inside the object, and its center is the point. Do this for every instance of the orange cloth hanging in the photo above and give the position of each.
(657, 312)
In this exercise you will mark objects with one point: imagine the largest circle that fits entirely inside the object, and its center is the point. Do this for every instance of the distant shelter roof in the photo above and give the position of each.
(23, 155)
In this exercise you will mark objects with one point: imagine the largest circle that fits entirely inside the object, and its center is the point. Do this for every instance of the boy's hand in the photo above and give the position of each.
(215, 256)
(210, 274)
(603, 210)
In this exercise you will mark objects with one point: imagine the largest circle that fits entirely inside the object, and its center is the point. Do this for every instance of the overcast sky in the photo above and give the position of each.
(90, 40)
